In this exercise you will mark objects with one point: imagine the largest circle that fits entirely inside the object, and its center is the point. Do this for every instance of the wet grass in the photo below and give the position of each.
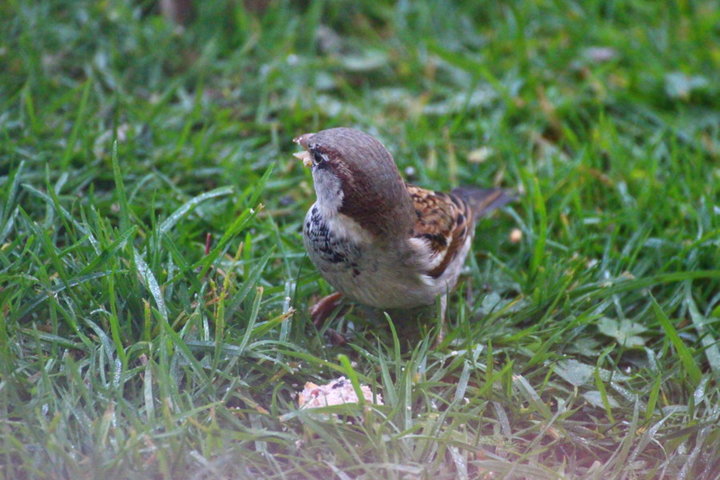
(154, 287)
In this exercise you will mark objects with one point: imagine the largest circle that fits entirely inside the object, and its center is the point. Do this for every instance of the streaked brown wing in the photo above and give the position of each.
(443, 222)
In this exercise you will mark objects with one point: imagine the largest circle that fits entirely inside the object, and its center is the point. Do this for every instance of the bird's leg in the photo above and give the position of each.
(442, 332)
(323, 308)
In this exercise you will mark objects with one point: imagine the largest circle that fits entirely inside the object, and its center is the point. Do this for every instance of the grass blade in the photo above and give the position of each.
(78, 125)
(686, 358)
(120, 188)
(151, 284)
(9, 210)
(709, 343)
(190, 205)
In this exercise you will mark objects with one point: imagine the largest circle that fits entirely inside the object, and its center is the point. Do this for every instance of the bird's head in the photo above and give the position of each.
(355, 175)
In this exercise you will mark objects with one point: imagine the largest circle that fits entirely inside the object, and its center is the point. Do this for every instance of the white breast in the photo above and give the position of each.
(382, 276)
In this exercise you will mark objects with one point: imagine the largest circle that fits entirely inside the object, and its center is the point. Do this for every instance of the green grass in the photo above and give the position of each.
(587, 350)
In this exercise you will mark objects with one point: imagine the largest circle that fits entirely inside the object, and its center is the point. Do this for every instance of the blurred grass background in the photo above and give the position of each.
(154, 287)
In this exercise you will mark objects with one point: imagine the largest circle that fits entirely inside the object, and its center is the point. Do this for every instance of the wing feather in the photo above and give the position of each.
(443, 223)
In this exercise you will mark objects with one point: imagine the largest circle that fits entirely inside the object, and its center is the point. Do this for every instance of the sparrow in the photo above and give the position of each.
(378, 240)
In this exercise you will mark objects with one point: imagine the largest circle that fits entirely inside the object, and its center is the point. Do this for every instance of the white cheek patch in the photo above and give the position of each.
(328, 189)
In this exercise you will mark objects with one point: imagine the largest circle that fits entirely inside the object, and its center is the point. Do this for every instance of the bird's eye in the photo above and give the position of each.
(318, 157)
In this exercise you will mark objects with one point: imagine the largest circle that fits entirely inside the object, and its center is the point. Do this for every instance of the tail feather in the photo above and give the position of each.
(482, 201)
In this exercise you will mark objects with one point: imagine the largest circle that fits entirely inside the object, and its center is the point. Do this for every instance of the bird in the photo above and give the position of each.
(377, 240)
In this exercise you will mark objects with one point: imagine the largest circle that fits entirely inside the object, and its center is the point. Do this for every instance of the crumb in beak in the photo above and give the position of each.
(305, 157)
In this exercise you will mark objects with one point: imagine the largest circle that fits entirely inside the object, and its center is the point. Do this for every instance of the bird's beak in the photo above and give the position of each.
(303, 141)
